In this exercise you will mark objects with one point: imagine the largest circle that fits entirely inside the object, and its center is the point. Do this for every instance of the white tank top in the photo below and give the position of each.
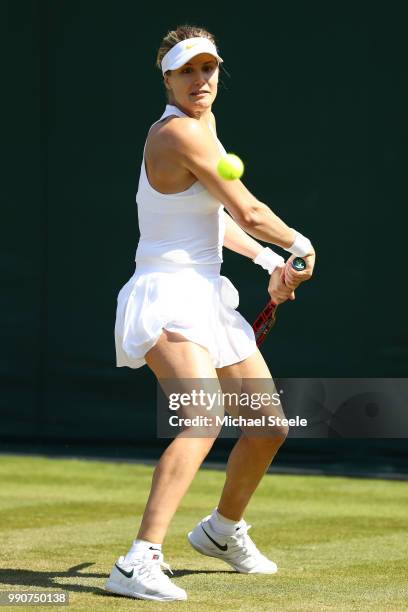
(183, 228)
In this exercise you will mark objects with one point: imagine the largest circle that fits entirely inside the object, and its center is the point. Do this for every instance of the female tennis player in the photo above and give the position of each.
(178, 315)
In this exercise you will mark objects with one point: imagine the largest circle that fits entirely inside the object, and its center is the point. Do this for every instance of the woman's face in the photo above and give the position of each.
(194, 85)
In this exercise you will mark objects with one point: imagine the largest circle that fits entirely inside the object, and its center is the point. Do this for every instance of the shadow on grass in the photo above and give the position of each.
(49, 580)
(187, 572)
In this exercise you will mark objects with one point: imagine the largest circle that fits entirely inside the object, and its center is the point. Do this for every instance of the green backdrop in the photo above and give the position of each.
(315, 103)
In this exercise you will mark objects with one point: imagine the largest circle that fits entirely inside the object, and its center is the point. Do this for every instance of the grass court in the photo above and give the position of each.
(340, 543)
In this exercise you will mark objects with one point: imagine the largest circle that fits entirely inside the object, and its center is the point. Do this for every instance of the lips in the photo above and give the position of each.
(198, 93)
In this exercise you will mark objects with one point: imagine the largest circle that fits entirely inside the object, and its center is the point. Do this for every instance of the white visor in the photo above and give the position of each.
(185, 50)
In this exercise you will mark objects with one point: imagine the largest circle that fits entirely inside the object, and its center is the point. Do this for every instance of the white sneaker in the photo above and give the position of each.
(238, 550)
(143, 578)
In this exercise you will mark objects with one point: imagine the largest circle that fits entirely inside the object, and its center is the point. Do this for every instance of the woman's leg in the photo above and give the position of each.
(255, 450)
(173, 357)
(222, 534)
(139, 574)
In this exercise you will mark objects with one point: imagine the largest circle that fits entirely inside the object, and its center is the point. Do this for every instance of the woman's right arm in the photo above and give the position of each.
(197, 151)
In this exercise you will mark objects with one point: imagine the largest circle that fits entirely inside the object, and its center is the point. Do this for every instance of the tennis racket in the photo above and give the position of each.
(267, 317)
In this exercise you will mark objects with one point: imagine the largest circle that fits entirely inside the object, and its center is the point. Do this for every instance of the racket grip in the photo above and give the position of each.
(297, 264)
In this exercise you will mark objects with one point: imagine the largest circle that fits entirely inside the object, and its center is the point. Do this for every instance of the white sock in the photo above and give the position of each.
(223, 525)
(139, 546)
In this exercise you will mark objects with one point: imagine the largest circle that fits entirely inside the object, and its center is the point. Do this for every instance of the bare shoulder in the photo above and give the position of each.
(185, 134)
(182, 129)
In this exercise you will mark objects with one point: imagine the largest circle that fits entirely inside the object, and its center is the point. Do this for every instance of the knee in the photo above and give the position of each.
(270, 439)
(278, 429)
(207, 444)
(280, 432)
(202, 443)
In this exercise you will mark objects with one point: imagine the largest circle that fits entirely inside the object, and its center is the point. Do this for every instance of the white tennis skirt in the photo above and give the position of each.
(192, 300)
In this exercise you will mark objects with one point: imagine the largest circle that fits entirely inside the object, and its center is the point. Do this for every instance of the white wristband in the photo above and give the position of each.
(301, 245)
(269, 260)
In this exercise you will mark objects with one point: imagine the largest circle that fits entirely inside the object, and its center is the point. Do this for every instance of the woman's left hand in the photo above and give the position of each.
(277, 288)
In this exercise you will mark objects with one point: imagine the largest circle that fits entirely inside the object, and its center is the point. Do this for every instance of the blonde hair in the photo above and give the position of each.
(180, 33)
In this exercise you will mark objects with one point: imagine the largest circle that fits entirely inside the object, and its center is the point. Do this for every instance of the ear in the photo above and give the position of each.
(166, 81)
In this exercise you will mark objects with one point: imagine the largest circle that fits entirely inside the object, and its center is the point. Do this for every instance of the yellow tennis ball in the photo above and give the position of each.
(230, 167)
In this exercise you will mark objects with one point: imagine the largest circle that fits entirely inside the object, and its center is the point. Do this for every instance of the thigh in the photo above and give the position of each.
(173, 356)
(253, 366)
(187, 376)
(250, 391)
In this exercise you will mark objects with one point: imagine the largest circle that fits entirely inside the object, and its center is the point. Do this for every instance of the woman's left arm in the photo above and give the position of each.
(239, 241)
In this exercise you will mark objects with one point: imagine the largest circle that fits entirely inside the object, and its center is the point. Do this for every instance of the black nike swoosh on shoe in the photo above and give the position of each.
(124, 572)
(223, 547)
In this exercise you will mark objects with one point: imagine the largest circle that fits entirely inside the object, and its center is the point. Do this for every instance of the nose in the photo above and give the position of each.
(200, 77)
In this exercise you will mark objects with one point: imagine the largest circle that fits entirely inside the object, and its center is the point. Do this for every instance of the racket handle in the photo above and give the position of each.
(297, 264)
(266, 319)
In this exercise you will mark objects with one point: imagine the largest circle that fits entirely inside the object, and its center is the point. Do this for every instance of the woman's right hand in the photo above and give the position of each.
(293, 278)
